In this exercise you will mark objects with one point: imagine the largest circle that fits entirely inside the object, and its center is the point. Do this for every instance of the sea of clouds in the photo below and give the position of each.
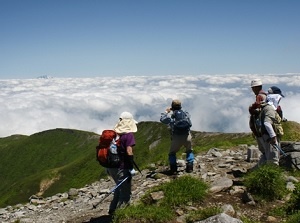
(215, 102)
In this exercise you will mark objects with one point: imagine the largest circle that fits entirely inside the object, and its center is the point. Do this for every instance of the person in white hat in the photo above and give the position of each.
(125, 128)
(254, 110)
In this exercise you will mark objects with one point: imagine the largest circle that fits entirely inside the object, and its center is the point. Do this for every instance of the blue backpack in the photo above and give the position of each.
(182, 122)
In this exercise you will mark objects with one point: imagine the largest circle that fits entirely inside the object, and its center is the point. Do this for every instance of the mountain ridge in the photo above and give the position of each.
(65, 158)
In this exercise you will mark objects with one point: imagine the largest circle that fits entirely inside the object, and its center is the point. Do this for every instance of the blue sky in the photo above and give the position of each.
(89, 38)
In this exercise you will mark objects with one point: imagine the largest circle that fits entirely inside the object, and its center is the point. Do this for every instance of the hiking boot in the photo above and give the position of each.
(172, 170)
(189, 167)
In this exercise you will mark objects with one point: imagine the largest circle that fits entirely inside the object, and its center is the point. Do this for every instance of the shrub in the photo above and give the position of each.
(293, 205)
(266, 183)
(184, 190)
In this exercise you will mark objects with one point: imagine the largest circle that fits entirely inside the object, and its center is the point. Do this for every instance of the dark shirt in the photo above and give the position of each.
(126, 139)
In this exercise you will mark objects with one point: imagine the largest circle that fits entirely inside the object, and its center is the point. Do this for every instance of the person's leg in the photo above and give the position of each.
(260, 144)
(189, 153)
(125, 188)
(174, 148)
(113, 172)
(272, 154)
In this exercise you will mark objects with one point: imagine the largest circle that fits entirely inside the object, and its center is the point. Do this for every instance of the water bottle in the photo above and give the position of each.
(113, 148)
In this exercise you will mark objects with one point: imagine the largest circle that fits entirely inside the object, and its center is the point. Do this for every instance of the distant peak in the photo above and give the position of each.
(45, 77)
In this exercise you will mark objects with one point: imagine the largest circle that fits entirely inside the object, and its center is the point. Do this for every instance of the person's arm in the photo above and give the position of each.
(271, 132)
(129, 151)
(166, 117)
(189, 118)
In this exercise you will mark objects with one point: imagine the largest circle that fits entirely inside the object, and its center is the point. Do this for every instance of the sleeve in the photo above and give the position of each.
(270, 129)
(130, 141)
(165, 118)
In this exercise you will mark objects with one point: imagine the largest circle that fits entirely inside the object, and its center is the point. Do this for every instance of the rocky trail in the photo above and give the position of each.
(222, 169)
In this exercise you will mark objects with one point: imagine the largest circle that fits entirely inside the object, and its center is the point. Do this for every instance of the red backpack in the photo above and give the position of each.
(108, 149)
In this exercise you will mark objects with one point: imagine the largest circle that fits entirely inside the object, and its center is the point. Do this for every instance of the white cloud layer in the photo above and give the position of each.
(215, 102)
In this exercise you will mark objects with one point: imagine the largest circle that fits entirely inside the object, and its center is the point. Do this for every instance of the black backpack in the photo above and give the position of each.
(182, 122)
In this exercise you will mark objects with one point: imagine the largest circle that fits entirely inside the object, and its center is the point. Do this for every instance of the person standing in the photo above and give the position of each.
(274, 97)
(180, 123)
(125, 128)
(268, 119)
(254, 123)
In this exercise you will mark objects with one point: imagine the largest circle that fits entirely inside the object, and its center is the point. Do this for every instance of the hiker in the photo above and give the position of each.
(268, 120)
(179, 136)
(125, 128)
(274, 97)
(254, 110)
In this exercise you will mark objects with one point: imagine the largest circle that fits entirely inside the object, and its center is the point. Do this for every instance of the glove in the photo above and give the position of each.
(273, 140)
(132, 172)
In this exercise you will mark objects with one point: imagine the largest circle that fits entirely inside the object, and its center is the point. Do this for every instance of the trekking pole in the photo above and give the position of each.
(137, 167)
(112, 190)
(285, 155)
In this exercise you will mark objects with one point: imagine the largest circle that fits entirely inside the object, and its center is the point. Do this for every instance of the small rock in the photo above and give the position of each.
(156, 196)
(271, 219)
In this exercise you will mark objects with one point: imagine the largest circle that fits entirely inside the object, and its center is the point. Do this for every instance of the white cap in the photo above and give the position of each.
(256, 82)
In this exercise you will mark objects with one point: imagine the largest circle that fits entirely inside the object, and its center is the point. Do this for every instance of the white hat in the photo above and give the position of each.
(256, 82)
(126, 123)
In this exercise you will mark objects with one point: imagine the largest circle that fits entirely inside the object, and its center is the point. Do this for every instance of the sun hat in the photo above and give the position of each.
(256, 82)
(176, 104)
(275, 90)
(126, 123)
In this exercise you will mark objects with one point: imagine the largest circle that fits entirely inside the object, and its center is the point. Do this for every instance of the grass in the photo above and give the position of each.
(266, 182)
(294, 218)
(204, 141)
(293, 205)
(247, 220)
(202, 214)
(27, 161)
(144, 213)
(291, 131)
(176, 194)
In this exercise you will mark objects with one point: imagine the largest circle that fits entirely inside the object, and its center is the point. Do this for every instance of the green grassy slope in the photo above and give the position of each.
(59, 159)
(68, 155)
(291, 131)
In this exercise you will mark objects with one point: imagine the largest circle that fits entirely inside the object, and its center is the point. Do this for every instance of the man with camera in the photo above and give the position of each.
(180, 124)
